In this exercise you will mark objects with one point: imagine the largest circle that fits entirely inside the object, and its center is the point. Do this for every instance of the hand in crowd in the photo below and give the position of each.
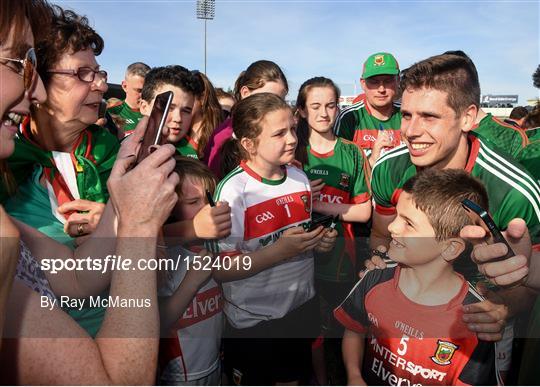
(328, 241)
(131, 144)
(375, 262)
(296, 240)
(486, 318)
(384, 139)
(316, 188)
(144, 196)
(509, 271)
(196, 277)
(84, 218)
(213, 222)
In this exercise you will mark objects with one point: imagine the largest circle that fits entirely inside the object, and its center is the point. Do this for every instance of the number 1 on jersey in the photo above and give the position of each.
(288, 210)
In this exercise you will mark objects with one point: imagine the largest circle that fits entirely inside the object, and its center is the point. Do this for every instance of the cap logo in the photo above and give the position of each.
(378, 60)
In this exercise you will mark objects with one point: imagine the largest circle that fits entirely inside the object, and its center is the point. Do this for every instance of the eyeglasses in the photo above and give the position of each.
(375, 82)
(85, 74)
(26, 67)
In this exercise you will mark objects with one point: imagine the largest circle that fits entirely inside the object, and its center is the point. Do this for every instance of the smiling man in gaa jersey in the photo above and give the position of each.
(440, 102)
(439, 106)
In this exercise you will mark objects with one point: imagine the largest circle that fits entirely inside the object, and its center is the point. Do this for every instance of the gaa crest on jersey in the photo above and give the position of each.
(307, 204)
(378, 60)
(344, 180)
(444, 352)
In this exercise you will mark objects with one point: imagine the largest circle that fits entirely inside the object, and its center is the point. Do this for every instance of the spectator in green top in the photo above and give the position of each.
(129, 109)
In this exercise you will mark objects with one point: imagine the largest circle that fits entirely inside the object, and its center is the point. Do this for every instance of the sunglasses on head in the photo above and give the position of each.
(27, 67)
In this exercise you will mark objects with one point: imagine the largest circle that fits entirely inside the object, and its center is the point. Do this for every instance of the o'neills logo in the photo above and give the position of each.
(203, 306)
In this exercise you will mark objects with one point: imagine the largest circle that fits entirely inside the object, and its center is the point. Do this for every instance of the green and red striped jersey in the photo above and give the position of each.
(187, 147)
(529, 157)
(343, 172)
(512, 191)
(356, 123)
(129, 115)
(507, 138)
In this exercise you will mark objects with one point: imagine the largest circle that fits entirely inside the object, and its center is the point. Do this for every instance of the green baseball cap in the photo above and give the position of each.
(381, 63)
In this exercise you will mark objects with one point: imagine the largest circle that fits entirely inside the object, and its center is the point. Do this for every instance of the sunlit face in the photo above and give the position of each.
(132, 86)
(431, 129)
(413, 238)
(180, 112)
(321, 109)
(380, 90)
(73, 102)
(278, 88)
(14, 101)
(276, 144)
(193, 199)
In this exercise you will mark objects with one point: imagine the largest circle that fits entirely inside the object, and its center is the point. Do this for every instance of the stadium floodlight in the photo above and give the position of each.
(206, 10)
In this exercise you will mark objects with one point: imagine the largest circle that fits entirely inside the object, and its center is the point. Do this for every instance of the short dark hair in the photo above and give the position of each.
(68, 33)
(453, 74)
(518, 112)
(174, 75)
(139, 69)
(439, 192)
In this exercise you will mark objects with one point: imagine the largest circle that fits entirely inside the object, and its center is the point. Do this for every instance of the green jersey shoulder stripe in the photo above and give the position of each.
(514, 167)
(229, 176)
(516, 179)
(353, 107)
(397, 151)
(525, 189)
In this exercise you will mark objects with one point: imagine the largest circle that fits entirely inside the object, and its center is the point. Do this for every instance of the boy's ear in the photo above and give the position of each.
(454, 248)
(124, 85)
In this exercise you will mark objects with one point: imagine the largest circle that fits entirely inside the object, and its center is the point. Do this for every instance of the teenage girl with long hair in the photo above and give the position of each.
(263, 76)
(338, 172)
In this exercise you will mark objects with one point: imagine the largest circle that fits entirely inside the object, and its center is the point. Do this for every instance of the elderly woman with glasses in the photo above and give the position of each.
(62, 160)
(63, 195)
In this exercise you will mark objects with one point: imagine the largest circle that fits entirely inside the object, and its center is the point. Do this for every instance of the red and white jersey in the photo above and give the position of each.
(194, 352)
(261, 210)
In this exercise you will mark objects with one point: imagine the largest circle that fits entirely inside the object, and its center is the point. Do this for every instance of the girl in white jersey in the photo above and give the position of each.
(268, 303)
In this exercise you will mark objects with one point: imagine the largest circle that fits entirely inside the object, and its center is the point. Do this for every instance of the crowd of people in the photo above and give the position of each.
(309, 244)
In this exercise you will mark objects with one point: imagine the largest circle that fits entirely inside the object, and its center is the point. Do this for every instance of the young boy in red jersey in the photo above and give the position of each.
(420, 338)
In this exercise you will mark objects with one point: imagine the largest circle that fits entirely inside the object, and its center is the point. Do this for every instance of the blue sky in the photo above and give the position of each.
(329, 38)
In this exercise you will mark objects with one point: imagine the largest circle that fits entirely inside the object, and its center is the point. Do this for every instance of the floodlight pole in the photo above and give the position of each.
(206, 10)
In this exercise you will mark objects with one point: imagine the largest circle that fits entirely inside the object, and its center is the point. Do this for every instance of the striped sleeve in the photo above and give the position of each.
(522, 200)
(230, 190)
(360, 188)
(345, 124)
(352, 313)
